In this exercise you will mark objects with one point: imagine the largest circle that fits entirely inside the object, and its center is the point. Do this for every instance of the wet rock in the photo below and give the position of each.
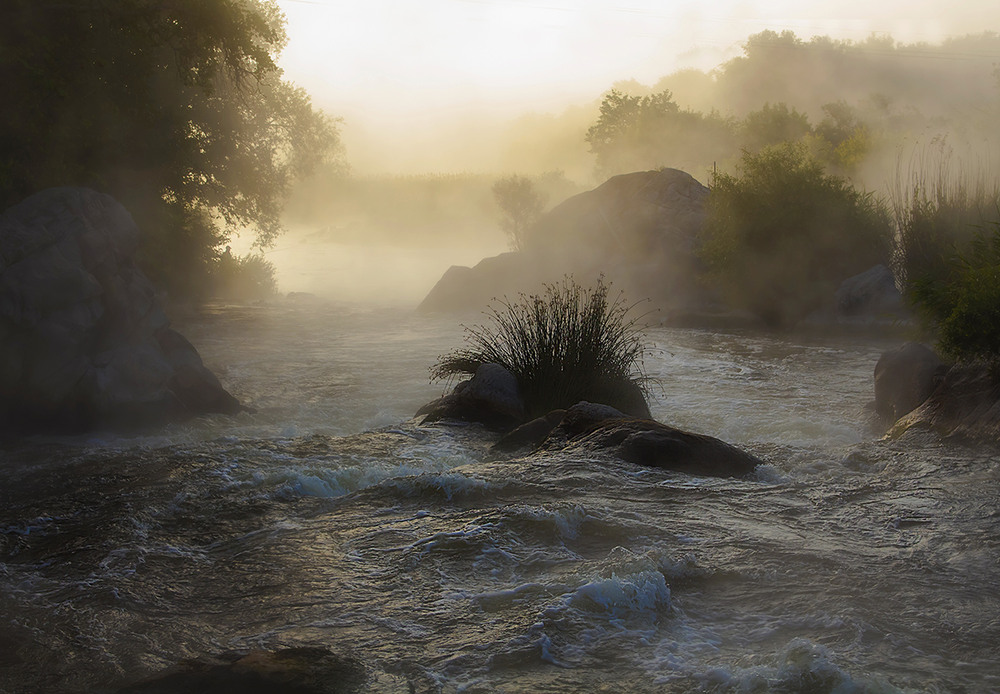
(590, 427)
(287, 671)
(84, 341)
(530, 434)
(904, 378)
(965, 404)
(491, 397)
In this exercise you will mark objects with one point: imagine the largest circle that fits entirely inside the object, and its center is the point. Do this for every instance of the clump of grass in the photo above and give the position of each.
(564, 345)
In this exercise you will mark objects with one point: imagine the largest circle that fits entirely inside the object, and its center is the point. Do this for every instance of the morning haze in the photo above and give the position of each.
(499, 346)
(438, 103)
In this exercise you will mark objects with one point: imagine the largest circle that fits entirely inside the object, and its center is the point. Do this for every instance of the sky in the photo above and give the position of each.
(407, 71)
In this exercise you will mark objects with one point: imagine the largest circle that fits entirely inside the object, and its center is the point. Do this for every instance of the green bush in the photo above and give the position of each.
(964, 304)
(781, 234)
(243, 278)
(564, 345)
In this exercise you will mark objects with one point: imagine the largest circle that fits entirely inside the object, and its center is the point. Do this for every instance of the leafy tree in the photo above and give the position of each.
(781, 233)
(178, 109)
(521, 205)
(647, 132)
(773, 125)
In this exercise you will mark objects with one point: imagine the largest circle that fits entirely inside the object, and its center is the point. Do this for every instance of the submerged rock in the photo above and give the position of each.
(587, 426)
(904, 378)
(84, 341)
(287, 671)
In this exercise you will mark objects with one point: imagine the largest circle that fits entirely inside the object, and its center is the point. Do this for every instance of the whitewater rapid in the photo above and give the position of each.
(328, 518)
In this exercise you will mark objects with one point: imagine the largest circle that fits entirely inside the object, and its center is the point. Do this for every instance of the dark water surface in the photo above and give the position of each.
(849, 564)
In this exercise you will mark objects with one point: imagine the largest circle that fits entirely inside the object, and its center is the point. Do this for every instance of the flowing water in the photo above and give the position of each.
(327, 518)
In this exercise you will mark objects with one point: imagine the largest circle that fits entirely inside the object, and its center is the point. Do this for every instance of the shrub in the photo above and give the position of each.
(243, 278)
(964, 305)
(781, 234)
(937, 210)
(564, 345)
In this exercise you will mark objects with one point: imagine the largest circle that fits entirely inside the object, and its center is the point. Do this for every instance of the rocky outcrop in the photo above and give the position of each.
(638, 229)
(84, 341)
(904, 378)
(965, 404)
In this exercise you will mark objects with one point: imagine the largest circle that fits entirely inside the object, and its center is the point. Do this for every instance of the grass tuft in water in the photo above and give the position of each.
(565, 344)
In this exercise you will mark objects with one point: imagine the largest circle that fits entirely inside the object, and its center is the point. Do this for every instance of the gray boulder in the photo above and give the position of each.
(84, 341)
(904, 378)
(491, 397)
(871, 293)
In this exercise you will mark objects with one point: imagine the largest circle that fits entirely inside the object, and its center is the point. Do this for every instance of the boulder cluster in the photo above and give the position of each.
(491, 398)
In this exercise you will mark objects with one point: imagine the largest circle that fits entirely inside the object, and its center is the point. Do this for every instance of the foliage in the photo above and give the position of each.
(521, 205)
(636, 133)
(177, 109)
(965, 304)
(937, 210)
(773, 125)
(565, 345)
(781, 233)
(243, 278)
(948, 261)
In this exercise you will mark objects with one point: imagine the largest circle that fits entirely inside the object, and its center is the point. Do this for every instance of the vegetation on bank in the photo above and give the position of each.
(178, 110)
(566, 344)
(948, 256)
(781, 234)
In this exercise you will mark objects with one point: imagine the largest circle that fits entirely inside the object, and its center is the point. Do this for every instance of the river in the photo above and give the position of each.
(328, 518)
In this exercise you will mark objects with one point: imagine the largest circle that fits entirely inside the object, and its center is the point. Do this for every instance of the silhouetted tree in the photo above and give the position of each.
(520, 204)
(178, 109)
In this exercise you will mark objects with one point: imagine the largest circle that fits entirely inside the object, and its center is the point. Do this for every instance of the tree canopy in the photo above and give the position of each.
(176, 108)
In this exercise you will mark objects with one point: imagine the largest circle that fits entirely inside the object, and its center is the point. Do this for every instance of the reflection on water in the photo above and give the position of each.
(848, 564)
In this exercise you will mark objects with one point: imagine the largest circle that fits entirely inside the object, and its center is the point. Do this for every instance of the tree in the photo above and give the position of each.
(521, 205)
(178, 109)
(773, 125)
(635, 133)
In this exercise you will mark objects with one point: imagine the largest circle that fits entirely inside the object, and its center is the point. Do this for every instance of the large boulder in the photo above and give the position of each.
(639, 230)
(904, 378)
(84, 340)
